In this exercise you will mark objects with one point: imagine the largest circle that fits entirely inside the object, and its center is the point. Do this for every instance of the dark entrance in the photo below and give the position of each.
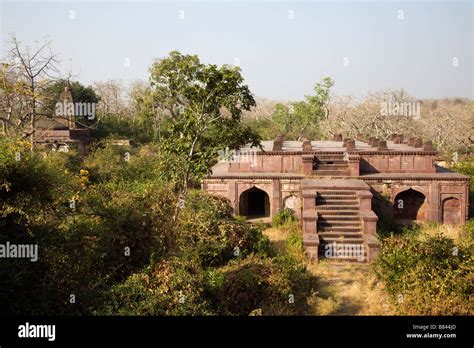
(409, 207)
(254, 203)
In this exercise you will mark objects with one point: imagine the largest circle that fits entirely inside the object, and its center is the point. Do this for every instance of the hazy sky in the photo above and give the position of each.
(283, 48)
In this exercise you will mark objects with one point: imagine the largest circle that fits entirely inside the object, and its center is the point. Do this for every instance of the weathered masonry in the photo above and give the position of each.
(338, 187)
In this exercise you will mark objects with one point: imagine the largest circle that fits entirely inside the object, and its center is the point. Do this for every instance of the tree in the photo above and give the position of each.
(24, 80)
(202, 107)
(301, 118)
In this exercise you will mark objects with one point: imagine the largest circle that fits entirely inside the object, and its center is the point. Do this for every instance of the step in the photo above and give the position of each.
(331, 214)
(321, 255)
(326, 207)
(341, 203)
(336, 192)
(318, 172)
(338, 220)
(335, 235)
(338, 229)
(339, 223)
(342, 241)
(338, 196)
(340, 199)
(333, 164)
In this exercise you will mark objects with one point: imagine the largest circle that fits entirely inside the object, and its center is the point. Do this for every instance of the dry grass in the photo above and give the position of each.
(454, 232)
(277, 237)
(346, 288)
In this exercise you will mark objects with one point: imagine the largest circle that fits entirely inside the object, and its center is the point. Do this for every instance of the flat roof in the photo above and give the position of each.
(332, 146)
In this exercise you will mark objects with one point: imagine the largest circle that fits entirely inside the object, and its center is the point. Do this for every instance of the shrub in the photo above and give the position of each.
(171, 287)
(283, 216)
(268, 286)
(207, 230)
(426, 275)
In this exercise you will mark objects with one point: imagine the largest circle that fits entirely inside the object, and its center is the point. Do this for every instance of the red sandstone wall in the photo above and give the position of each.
(397, 163)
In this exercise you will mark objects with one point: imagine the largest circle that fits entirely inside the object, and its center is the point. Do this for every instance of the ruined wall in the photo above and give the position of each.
(445, 201)
(270, 163)
(397, 163)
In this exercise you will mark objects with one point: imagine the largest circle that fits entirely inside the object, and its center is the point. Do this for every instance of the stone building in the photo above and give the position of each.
(62, 131)
(338, 187)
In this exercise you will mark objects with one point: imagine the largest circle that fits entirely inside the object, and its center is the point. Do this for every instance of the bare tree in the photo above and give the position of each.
(24, 80)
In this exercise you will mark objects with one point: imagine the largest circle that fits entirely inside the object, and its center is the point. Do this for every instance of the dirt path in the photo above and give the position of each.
(344, 288)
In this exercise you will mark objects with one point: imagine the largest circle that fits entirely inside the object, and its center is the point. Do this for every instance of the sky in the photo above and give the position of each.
(283, 48)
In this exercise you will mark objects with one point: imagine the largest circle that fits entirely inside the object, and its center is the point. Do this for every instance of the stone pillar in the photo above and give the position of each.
(382, 146)
(337, 137)
(428, 146)
(233, 195)
(365, 201)
(349, 144)
(310, 233)
(466, 205)
(369, 222)
(307, 164)
(418, 142)
(275, 198)
(307, 146)
(354, 165)
(434, 211)
(371, 246)
(375, 142)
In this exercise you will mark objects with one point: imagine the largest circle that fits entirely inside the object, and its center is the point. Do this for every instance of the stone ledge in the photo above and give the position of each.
(364, 194)
(370, 240)
(369, 216)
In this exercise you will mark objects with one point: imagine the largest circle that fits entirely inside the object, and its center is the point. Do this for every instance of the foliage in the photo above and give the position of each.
(283, 216)
(208, 231)
(301, 118)
(427, 275)
(171, 287)
(202, 107)
(278, 286)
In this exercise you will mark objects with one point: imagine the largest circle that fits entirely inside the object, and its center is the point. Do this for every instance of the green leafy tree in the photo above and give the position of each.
(202, 107)
(301, 118)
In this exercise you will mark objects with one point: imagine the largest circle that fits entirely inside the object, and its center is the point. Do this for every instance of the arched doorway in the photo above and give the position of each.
(254, 203)
(409, 206)
(451, 211)
(294, 203)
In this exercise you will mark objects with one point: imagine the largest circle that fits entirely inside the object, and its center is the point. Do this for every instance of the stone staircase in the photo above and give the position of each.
(330, 164)
(338, 220)
(339, 225)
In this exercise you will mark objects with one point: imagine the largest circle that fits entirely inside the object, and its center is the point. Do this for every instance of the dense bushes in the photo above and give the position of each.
(113, 235)
(283, 216)
(180, 286)
(208, 231)
(427, 274)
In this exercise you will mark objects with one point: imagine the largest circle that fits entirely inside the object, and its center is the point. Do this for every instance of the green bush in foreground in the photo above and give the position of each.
(427, 275)
(283, 216)
(179, 286)
(208, 231)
